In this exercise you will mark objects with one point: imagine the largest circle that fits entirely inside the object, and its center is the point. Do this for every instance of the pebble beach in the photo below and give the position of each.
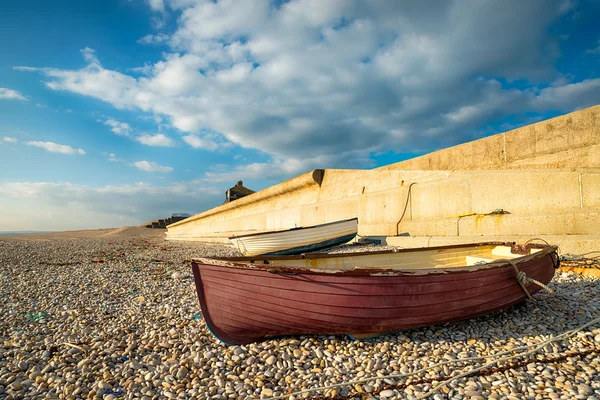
(116, 316)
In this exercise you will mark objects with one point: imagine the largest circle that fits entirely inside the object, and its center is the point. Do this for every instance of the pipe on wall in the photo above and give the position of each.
(408, 196)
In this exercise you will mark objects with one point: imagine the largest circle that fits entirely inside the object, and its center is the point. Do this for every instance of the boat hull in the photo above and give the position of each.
(297, 240)
(243, 305)
(325, 244)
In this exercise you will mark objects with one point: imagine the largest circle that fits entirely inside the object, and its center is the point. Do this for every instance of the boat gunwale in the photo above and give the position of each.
(292, 229)
(247, 263)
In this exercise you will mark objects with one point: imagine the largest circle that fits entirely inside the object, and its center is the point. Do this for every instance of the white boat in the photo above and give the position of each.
(297, 240)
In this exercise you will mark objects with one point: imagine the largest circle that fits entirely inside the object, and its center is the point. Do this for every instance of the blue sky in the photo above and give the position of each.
(115, 112)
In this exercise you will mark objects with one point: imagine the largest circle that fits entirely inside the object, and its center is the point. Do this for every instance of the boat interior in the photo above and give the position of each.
(448, 257)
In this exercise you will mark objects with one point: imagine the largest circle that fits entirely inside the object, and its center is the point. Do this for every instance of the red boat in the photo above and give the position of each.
(248, 299)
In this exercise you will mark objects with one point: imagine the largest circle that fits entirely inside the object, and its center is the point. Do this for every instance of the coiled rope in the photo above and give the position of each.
(524, 280)
(533, 348)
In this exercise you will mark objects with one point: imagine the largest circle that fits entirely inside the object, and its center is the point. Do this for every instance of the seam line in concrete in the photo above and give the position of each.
(504, 139)
(580, 191)
(470, 196)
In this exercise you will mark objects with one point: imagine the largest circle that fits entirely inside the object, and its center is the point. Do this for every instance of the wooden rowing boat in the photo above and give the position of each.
(296, 240)
(249, 299)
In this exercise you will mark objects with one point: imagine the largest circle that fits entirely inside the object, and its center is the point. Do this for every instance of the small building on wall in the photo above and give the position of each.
(237, 192)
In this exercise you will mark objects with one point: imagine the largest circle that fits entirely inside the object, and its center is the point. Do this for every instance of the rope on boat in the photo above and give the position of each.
(533, 348)
(534, 239)
(524, 280)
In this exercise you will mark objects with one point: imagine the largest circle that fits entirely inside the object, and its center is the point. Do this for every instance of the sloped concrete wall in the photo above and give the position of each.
(540, 202)
(375, 197)
(250, 213)
(568, 141)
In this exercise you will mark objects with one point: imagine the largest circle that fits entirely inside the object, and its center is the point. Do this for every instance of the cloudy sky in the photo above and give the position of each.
(114, 112)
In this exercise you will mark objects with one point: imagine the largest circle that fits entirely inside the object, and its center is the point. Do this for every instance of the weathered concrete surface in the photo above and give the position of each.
(254, 206)
(521, 192)
(567, 141)
(541, 191)
(590, 190)
(441, 203)
(301, 203)
(582, 223)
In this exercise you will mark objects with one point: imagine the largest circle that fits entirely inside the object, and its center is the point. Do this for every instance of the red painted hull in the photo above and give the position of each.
(243, 304)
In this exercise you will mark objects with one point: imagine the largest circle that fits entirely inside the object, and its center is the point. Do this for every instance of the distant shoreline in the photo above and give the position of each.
(11, 233)
(140, 232)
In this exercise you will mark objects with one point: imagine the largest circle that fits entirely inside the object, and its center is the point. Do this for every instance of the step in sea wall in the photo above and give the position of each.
(568, 141)
(568, 244)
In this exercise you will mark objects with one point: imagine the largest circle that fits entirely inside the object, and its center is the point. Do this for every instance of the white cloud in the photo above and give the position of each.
(575, 95)
(154, 118)
(159, 38)
(10, 139)
(275, 170)
(595, 50)
(294, 79)
(93, 80)
(199, 143)
(117, 127)
(157, 5)
(267, 171)
(9, 94)
(89, 55)
(25, 68)
(159, 140)
(150, 166)
(64, 205)
(56, 148)
(112, 157)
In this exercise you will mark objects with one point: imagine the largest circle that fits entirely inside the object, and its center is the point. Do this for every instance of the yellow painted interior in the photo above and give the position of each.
(426, 259)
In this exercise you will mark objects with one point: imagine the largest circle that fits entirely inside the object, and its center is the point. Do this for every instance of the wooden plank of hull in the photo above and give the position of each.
(463, 290)
(298, 240)
(246, 305)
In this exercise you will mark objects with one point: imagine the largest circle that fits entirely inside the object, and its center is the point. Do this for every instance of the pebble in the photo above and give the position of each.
(585, 389)
(271, 360)
(139, 331)
(182, 373)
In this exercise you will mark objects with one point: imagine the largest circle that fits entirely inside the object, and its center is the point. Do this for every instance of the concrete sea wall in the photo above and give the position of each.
(518, 175)
(443, 203)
